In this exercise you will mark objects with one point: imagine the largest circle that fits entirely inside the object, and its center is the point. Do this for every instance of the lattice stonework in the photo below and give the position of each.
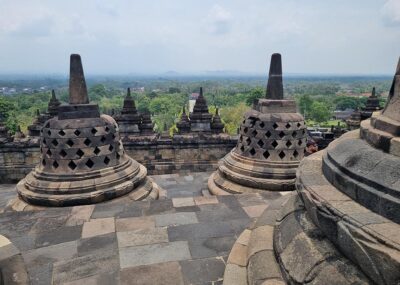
(75, 150)
(271, 140)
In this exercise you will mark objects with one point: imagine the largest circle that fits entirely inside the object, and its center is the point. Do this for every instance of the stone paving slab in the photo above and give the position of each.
(179, 239)
(142, 237)
(154, 253)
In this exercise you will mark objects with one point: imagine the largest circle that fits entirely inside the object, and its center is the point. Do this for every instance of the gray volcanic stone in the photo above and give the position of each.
(167, 273)
(107, 242)
(275, 85)
(272, 141)
(263, 265)
(82, 156)
(211, 247)
(200, 271)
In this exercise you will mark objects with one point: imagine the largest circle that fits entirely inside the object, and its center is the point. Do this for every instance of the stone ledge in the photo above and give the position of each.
(305, 255)
(365, 238)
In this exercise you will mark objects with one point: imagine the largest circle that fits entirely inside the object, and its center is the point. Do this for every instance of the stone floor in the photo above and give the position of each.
(183, 238)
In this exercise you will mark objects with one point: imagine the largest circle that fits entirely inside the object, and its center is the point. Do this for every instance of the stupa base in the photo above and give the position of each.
(136, 186)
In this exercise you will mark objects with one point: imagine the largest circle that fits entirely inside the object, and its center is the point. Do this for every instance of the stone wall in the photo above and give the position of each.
(160, 156)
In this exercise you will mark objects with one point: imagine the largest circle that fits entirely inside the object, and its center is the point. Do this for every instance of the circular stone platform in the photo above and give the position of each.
(272, 140)
(82, 157)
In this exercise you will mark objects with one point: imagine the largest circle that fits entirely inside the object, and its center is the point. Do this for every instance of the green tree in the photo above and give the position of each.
(233, 116)
(319, 112)
(304, 102)
(254, 94)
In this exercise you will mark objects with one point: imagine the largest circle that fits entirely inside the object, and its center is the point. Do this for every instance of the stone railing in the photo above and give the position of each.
(160, 155)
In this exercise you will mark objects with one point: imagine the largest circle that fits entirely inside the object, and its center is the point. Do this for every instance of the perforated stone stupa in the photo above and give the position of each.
(82, 157)
(272, 139)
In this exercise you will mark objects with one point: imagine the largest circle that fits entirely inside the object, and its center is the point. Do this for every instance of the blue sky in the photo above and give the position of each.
(155, 36)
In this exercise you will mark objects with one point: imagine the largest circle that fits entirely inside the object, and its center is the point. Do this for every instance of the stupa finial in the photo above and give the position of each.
(77, 84)
(275, 85)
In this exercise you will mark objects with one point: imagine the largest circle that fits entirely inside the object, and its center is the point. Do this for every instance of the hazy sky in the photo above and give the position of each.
(155, 36)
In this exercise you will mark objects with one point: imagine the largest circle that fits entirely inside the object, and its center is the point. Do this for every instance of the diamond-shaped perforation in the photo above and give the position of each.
(44, 162)
(298, 125)
(54, 142)
(268, 134)
(254, 133)
(48, 153)
(89, 163)
(110, 148)
(44, 142)
(70, 143)
(300, 142)
(49, 132)
(77, 132)
(242, 148)
(103, 139)
(294, 134)
(288, 143)
(260, 143)
(117, 156)
(251, 123)
(96, 150)
(282, 155)
(106, 160)
(241, 138)
(93, 131)
(107, 129)
(72, 165)
(80, 153)
(274, 144)
(266, 154)
(248, 141)
(55, 164)
(281, 134)
(47, 125)
(295, 153)
(275, 126)
(252, 151)
(61, 133)
(262, 125)
(63, 153)
(87, 142)
(113, 136)
(288, 125)
(245, 130)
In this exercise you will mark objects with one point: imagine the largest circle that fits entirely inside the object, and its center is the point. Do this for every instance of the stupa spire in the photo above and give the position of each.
(77, 84)
(393, 102)
(275, 85)
(373, 94)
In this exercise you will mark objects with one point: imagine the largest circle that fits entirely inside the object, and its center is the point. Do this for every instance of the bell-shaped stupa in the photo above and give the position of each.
(272, 139)
(82, 157)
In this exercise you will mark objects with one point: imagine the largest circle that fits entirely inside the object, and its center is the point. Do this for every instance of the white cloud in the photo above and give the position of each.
(391, 12)
(153, 36)
(219, 20)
